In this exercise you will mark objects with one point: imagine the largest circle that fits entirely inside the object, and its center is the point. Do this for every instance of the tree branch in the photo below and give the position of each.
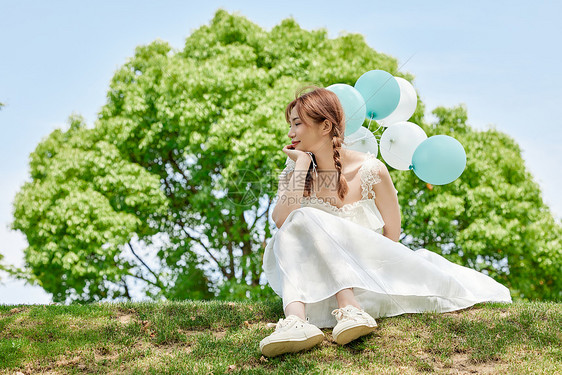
(180, 171)
(230, 252)
(260, 216)
(158, 283)
(222, 268)
(127, 294)
(143, 279)
(182, 226)
(231, 256)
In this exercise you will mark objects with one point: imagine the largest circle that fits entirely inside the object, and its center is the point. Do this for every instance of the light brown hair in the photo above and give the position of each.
(321, 104)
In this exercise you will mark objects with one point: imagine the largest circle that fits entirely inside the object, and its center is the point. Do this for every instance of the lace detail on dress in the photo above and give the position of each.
(370, 176)
(290, 165)
(285, 173)
(346, 208)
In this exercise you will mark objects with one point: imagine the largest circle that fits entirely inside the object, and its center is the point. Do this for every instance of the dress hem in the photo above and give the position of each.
(462, 303)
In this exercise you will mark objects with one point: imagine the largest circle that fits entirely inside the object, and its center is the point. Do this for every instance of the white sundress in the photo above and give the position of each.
(321, 249)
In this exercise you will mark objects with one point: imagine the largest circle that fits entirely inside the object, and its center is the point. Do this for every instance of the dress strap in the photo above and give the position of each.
(369, 173)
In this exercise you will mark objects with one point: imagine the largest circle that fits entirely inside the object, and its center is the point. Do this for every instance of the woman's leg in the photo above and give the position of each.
(295, 308)
(346, 297)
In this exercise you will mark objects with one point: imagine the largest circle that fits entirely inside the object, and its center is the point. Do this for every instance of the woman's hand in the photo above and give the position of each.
(294, 154)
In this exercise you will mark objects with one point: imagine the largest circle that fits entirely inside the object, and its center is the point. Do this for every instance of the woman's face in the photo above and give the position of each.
(304, 131)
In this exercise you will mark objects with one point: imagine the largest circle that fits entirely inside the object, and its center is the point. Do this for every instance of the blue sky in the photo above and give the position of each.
(499, 58)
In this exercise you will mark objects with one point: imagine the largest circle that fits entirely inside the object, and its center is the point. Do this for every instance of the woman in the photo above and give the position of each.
(337, 245)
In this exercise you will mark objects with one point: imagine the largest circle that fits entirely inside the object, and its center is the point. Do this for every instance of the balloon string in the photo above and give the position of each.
(369, 127)
(377, 137)
(369, 124)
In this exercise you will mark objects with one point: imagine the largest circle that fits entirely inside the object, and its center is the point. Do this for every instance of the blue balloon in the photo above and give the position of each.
(353, 106)
(381, 93)
(439, 160)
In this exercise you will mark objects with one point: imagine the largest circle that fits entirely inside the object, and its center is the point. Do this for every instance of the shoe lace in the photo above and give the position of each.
(341, 313)
(282, 323)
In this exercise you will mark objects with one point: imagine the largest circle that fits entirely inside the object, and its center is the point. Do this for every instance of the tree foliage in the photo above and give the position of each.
(174, 184)
(84, 203)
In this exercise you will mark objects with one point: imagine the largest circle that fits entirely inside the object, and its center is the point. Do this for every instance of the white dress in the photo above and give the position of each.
(321, 249)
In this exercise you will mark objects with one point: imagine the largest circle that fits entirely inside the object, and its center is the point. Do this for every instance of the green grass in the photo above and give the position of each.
(204, 337)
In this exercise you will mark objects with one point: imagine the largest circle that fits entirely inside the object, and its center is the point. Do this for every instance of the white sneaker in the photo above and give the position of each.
(352, 323)
(292, 334)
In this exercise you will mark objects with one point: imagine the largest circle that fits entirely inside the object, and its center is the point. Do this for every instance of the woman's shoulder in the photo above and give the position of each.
(362, 157)
(372, 165)
(373, 172)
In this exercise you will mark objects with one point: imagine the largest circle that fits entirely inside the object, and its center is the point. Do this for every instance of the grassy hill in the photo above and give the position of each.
(218, 337)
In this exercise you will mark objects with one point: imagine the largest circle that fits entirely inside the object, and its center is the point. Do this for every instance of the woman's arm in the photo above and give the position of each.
(387, 203)
(290, 191)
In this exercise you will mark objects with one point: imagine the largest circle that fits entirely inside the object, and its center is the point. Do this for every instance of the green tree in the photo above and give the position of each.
(202, 121)
(83, 205)
(175, 182)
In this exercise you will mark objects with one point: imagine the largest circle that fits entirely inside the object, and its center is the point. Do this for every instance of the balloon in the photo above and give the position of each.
(381, 93)
(353, 106)
(406, 106)
(363, 140)
(399, 142)
(439, 160)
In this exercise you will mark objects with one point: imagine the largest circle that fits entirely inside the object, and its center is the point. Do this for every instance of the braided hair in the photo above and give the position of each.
(320, 105)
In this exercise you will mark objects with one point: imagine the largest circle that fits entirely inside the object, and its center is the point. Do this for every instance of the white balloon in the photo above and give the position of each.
(406, 106)
(362, 140)
(398, 143)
